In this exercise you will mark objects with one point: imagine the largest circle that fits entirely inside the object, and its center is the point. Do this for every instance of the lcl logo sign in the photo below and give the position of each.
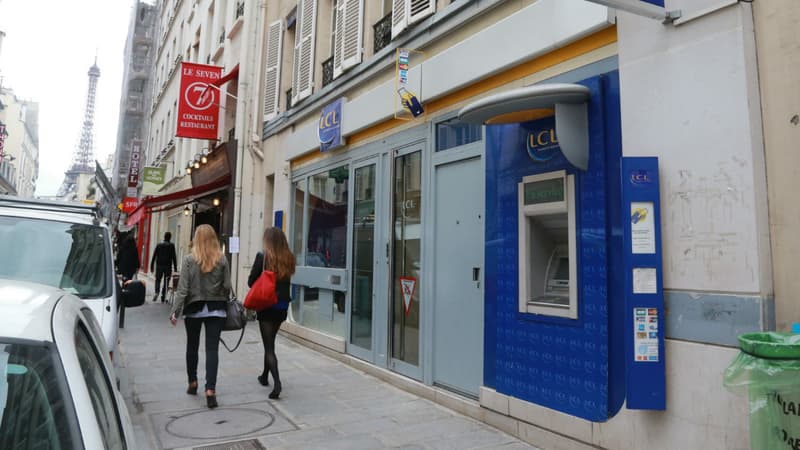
(641, 177)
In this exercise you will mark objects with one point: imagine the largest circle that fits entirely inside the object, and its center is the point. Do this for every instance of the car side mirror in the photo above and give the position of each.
(133, 294)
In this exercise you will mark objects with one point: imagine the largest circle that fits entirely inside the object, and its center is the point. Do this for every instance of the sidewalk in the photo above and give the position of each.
(324, 404)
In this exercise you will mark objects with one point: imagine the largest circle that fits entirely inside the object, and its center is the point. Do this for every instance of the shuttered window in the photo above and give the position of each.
(349, 36)
(272, 75)
(303, 76)
(409, 12)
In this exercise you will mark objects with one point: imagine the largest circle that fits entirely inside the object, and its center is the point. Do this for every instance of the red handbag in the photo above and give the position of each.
(262, 295)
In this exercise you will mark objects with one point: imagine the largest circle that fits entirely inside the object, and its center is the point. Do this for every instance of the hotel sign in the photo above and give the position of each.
(134, 167)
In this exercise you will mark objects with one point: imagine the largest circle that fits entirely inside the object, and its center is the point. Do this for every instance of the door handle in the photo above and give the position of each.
(476, 274)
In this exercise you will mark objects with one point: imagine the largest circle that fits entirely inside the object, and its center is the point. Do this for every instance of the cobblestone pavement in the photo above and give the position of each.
(325, 404)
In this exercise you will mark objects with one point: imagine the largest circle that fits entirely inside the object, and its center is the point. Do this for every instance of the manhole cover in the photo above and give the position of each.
(250, 444)
(219, 423)
(182, 429)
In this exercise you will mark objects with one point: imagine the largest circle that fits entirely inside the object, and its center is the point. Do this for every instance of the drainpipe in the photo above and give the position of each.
(246, 69)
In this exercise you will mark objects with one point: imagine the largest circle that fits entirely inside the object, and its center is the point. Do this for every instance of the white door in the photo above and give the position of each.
(458, 276)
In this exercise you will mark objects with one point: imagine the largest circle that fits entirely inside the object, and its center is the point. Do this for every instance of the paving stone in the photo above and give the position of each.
(324, 404)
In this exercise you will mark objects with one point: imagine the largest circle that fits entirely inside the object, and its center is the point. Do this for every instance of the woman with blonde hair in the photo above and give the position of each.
(203, 290)
(277, 258)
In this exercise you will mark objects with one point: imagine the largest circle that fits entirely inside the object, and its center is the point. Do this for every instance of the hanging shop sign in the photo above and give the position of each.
(198, 107)
(330, 127)
(408, 84)
(153, 179)
(129, 204)
(134, 168)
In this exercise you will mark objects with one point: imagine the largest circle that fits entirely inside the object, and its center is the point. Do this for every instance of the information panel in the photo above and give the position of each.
(644, 294)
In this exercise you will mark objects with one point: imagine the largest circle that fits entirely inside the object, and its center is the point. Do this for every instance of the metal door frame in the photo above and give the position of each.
(379, 263)
(394, 364)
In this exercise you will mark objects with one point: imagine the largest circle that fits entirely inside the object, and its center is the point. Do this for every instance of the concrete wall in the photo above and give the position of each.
(779, 64)
(690, 96)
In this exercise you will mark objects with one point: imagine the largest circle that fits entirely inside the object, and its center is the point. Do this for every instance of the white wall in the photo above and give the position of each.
(690, 97)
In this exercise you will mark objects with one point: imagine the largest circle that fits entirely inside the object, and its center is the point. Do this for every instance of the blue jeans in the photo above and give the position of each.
(213, 331)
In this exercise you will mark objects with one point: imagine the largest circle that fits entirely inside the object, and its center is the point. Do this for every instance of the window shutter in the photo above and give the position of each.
(420, 9)
(399, 16)
(353, 36)
(272, 75)
(338, 33)
(303, 81)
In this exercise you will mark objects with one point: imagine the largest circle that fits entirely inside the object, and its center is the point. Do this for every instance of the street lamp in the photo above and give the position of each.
(186, 211)
(189, 170)
(215, 202)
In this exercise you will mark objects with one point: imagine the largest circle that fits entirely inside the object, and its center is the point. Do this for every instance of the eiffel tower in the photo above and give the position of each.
(83, 157)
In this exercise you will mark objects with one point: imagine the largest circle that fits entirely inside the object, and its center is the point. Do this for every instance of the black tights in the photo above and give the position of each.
(269, 329)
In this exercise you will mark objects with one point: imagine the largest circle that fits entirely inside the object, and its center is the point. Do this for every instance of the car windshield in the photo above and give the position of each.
(65, 255)
(34, 410)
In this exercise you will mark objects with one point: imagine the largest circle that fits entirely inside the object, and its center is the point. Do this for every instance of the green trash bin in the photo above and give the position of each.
(768, 371)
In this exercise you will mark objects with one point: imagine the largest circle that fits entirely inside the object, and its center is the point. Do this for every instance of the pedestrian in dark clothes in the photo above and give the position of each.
(164, 260)
(127, 258)
(276, 257)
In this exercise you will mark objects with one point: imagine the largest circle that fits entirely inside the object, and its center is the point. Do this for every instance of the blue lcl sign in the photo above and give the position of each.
(330, 126)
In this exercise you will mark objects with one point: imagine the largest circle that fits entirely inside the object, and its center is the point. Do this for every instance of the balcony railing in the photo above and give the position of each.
(383, 33)
(222, 37)
(327, 71)
(239, 9)
(289, 99)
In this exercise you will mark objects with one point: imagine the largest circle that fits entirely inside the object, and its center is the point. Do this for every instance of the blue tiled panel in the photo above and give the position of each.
(559, 363)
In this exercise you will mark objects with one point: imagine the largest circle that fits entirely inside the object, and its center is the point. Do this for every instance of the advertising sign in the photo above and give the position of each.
(198, 107)
(408, 84)
(330, 126)
(644, 293)
(134, 167)
(129, 204)
(152, 179)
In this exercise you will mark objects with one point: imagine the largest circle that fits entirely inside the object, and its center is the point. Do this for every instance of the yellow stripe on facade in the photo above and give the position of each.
(576, 49)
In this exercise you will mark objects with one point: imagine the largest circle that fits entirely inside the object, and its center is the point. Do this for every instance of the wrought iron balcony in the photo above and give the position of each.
(239, 9)
(327, 71)
(289, 99)
(222, 37)
(383, 33)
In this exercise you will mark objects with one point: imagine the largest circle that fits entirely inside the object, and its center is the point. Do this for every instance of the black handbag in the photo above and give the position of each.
(235, 319)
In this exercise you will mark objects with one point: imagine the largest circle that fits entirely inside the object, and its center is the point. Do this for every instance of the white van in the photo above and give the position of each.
(63, 245)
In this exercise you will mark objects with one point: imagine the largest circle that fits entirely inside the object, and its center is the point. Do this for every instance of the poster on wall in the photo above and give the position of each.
(645, 332)
(133, 168)
(643, 229)
(198, 107)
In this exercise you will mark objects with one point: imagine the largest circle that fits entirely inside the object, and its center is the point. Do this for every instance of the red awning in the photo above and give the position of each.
(178, 198)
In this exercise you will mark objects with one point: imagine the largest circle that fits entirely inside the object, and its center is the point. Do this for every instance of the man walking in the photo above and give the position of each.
(164, 260)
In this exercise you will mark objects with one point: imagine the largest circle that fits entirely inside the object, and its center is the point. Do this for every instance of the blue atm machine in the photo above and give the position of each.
(572, 253)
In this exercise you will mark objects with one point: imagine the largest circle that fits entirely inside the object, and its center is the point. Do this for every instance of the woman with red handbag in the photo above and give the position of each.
(273, 267)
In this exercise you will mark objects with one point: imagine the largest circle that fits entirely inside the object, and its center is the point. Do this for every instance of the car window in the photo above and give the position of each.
(68, 256)
(35, 410)
(100, 390)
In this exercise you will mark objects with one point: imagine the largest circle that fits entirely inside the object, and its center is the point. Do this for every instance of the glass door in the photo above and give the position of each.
(406, 240)
(365, 263)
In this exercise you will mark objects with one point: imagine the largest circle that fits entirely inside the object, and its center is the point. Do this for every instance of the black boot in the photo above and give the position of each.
(263, 379)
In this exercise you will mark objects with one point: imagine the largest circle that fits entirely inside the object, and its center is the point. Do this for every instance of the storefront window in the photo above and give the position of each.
(407, 251)
(453, 133)
(297, 221)
(327, 225)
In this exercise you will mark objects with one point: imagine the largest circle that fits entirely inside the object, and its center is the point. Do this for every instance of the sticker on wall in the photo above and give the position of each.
(645, 334)
(643, 229)
(408, 285)
(645, 280)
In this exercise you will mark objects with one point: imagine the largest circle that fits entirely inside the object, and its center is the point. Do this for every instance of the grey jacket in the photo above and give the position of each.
(196, 286)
